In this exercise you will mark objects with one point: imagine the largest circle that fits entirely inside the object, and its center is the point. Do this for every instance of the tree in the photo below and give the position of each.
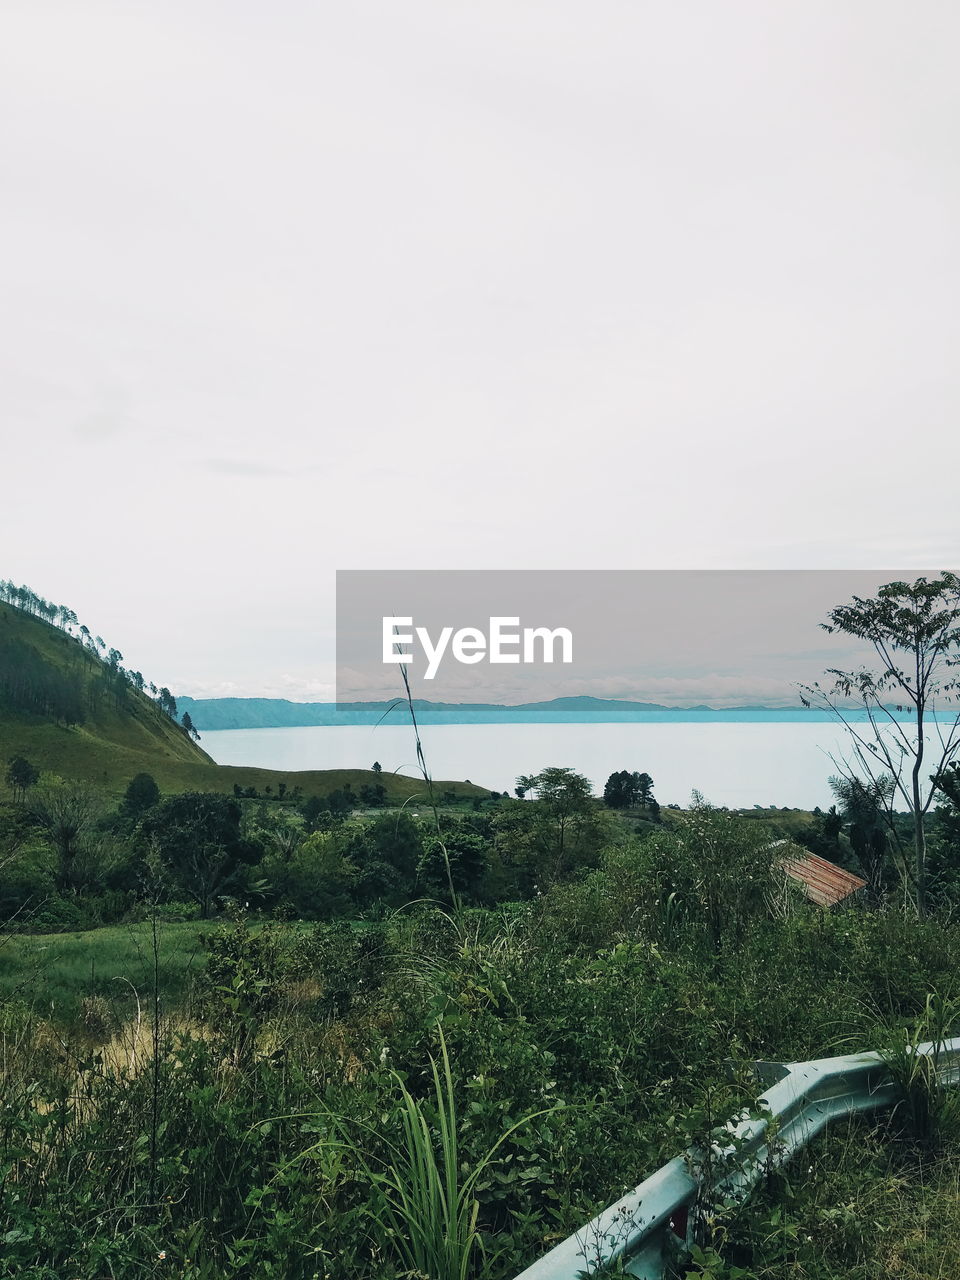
(377, 767)
(463, 850)
(67, 812)
(198, 839)
(561, 827)
(141, 794)
(189, 727)
(315, 881)
(863, 806)
(947, 859)
(914, 629)
(396, 843)
(168, 703)
(822, 837)
(282, 837)
(644, 790)
(618, 790)
(340, 802)
(626, 790)
(386, 855)
(312, 811)
(21, 775)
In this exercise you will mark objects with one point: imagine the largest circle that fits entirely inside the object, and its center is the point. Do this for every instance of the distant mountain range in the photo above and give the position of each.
(279, 713)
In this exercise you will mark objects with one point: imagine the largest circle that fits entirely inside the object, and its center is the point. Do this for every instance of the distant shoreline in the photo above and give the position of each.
(279, 713)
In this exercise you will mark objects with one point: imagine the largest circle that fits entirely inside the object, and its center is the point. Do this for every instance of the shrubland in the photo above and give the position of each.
(348, 1070)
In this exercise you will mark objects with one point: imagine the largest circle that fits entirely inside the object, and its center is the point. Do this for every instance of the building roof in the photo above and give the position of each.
(823, 882)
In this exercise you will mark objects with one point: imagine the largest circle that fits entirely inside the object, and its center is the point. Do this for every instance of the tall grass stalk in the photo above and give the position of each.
(425, 1202)
(422, 765)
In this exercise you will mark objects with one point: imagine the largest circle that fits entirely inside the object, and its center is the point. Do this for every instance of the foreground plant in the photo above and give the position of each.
(926, 1107)
(424, 1193)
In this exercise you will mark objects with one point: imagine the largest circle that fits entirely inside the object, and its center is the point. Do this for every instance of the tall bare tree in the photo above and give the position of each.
(914, 629)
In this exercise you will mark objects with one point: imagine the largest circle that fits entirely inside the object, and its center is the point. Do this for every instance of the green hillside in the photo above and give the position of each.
(120, 732)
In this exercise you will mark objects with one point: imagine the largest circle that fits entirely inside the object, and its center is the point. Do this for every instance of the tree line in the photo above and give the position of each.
(31, 683)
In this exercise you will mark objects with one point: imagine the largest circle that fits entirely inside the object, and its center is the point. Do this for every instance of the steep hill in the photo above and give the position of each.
(63, 708)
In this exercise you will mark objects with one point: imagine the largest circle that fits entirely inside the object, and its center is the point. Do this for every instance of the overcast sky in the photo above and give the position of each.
(297, 287)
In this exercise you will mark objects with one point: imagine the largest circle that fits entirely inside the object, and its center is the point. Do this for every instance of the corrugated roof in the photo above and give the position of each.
(823, 882)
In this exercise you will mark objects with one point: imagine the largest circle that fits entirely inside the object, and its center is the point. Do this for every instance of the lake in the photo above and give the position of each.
(735, 764)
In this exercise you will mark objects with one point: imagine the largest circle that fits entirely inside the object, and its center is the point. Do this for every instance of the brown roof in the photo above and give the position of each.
(823, 882)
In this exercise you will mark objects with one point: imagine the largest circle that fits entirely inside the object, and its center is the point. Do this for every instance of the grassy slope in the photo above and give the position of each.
(111, 741)
(57, 970)
(112, 746)
(859, 1203)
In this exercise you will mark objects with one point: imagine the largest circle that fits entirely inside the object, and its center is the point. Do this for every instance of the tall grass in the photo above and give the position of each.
(927, 1109)
(63, 969)
(424, 1193)
(422, 765)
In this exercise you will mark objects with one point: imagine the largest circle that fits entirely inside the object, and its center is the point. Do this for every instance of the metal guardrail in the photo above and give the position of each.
(648, 1225)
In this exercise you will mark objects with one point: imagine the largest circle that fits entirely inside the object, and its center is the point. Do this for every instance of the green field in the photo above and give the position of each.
(55, 972)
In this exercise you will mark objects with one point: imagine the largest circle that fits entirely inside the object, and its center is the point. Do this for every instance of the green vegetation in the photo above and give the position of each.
(480, 1080)
(915, 631)
(64, 974)
(70, 711)
(426, 1041)
(625, 790)
(858, 1204)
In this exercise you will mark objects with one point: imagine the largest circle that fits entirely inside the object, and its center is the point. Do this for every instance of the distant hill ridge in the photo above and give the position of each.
(279, 713)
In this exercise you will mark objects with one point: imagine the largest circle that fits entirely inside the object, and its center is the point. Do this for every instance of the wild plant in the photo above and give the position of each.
(424, 1191)
(927, 1108)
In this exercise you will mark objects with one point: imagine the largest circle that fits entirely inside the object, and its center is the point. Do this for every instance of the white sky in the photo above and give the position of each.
(290, 288)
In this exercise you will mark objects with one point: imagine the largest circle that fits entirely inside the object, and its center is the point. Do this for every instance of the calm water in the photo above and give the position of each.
(732, 764)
